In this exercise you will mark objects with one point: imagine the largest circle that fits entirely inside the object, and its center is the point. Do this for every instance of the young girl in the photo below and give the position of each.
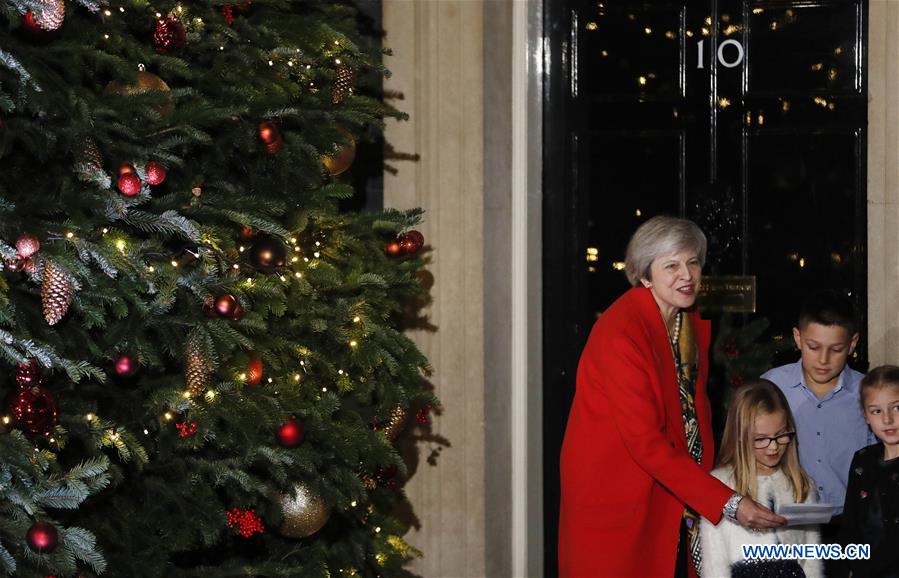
(759, 459)
(871, 512)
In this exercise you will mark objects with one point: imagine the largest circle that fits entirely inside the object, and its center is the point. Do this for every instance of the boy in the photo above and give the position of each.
(823, 396)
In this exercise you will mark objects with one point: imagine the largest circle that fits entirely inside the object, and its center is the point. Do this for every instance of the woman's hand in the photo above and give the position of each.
(751, 515)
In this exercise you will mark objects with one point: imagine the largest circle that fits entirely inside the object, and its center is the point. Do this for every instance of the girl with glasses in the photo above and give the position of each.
(759, 459)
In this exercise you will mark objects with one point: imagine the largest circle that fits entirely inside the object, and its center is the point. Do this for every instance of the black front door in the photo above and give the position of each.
(746, 116)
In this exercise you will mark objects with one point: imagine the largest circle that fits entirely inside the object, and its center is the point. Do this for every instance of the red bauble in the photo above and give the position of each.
(29, 373)
(246, 232)
(254, 370)
(126, 366)
(274, 146)
(392, 247)
(30, 22)
(27, 245)
(42, 537)
(411, 242)
(291, 434)
(239, 312)
(226, 304)
(129, 184)
(33, 410)
(169, 35)
(268, 254)
(126, 169)
(268, 132)
(16, 264)
(156, 173)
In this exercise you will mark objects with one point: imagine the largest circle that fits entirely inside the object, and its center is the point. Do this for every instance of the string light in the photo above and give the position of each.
(146, 432)
(353, 504)
(167, 416)
(210, 395)
(174, 263)
(298, 275)
(89, 417)
(120, 245)
(6, 419)
(296, 377)
(353, 343)
(70, 235)
(105, 230)
(151, 269)
(357, 319)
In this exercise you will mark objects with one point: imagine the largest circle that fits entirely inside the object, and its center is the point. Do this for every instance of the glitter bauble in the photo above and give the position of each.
(342, 158)
(27, 245)
(169, 35)
(129, 184)
(156, 173)
(33, 410)
(304, 513)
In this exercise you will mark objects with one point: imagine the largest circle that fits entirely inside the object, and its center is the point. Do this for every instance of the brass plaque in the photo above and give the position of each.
(727, 293)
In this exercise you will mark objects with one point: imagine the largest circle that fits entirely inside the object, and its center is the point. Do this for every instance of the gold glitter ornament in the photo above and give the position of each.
(56, 293)
(305, 513)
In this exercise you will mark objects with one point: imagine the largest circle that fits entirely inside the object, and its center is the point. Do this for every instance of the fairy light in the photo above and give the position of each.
(305, 259)
(353, 504)
(293, 240)
(294, 259)
(186, 394)
(339, 372)
(210, 395)
(167, 415)
(89, 417)
(146, 432)
(70, 235)
(378, 530)
(151, 268)
(105, 230)
(324, 390)
(357, 319)
(241, 248)
(52, 440)
(120, 245)
(298, 275)
(270, 63)
(270, 380)
(283, 278)
(107, 12)
(174, 263)
(316, 254)
(106, 37)
(121, 9)
(242, 377)
(158, 15)
(297, 248)
(6, 419)
(353, 343)
(337, 61)
(296, 377)
(235, 266)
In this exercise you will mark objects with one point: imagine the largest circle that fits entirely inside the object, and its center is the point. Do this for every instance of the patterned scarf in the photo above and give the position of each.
(686, 365)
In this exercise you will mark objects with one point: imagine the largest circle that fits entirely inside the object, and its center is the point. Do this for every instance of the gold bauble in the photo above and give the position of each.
(304, 513)
(342, 158)
(146, 81)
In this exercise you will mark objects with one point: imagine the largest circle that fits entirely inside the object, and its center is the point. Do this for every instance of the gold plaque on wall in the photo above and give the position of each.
(727, 293)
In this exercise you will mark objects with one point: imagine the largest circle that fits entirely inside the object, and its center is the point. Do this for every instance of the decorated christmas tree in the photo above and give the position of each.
(206, 370)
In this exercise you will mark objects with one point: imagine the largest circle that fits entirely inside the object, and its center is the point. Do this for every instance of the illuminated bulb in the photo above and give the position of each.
(293, 240)
(6, 419)
(378, 530)
(222, 48)
(52, 440)
(305, 259)
(106, 37)
(296, 248)
(294, 259)
(270, 380)
(283, 278)
(324, 389)
(308, 66)
(241, 249)
(638, 213)
(174, 263)
(642, 80)
(89, 417)
(235, 266)
(356, 319)
(317, 244)
(302, 363)
(592, 26)
(105, 230)
(802, 262)
(353, 504)
(647, 30)
(296, 377)
(158, 15)
(146, 432)
(340, 372)
(186, 394)
(70, 235)
(298, 275)
(210, 395)
(249, 281)
(167, 416)
(270, 63)
(290, 63)
(618, 265)
(242, 377)
(316, 254)
(122, 10)
(120, 245)
(151, 268)
(336, 61)
(180, 8)
(337, 42)
(353, 343)
(107, 12)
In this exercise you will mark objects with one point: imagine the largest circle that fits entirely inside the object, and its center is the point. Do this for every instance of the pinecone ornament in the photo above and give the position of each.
(197, 368)
(90, 155)
(56, 293)
(396, 421)
(51, 14)
(343, 83)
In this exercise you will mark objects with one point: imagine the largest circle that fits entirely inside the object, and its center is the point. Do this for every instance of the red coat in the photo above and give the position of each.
(626, 472)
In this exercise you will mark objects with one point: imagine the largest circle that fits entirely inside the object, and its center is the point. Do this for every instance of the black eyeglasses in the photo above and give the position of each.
(781, 440)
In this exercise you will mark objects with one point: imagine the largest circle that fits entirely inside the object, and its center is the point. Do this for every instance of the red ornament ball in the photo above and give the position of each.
(225, 305)
(239, 313)
(42, 537)
(392, 247)
(16, 264)
(254, 370)
(268, 254)
(274, 146)
(30, 22)
(169, 35)
(129, 184)
(33, 410)
(126, 366)
(156, 173)
(27, 245)
(29, 373)
(411, 242)
(268, 132)
(292, 433)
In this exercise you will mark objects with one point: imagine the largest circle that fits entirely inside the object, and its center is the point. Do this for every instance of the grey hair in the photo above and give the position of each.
(658, 237)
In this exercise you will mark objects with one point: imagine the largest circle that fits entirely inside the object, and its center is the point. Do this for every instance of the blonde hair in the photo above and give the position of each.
(657, 237)
(878, 378)
(757, 398)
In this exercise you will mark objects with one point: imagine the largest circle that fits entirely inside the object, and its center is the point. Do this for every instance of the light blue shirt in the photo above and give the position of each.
(829, 430)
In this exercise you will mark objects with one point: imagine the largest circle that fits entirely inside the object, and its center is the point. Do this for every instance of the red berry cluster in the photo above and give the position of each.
(407, 243)
(422, 415)
(246, 522)
(186, 428)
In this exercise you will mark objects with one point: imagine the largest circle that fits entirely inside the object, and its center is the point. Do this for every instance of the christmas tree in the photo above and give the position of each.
(206, 365)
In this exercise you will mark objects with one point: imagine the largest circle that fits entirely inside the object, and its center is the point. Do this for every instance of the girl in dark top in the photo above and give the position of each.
(871, 512)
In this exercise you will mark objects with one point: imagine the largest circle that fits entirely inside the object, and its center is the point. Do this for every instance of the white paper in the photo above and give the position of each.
(801, 514)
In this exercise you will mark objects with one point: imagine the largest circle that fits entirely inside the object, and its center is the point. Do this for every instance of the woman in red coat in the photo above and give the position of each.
(638, 448)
